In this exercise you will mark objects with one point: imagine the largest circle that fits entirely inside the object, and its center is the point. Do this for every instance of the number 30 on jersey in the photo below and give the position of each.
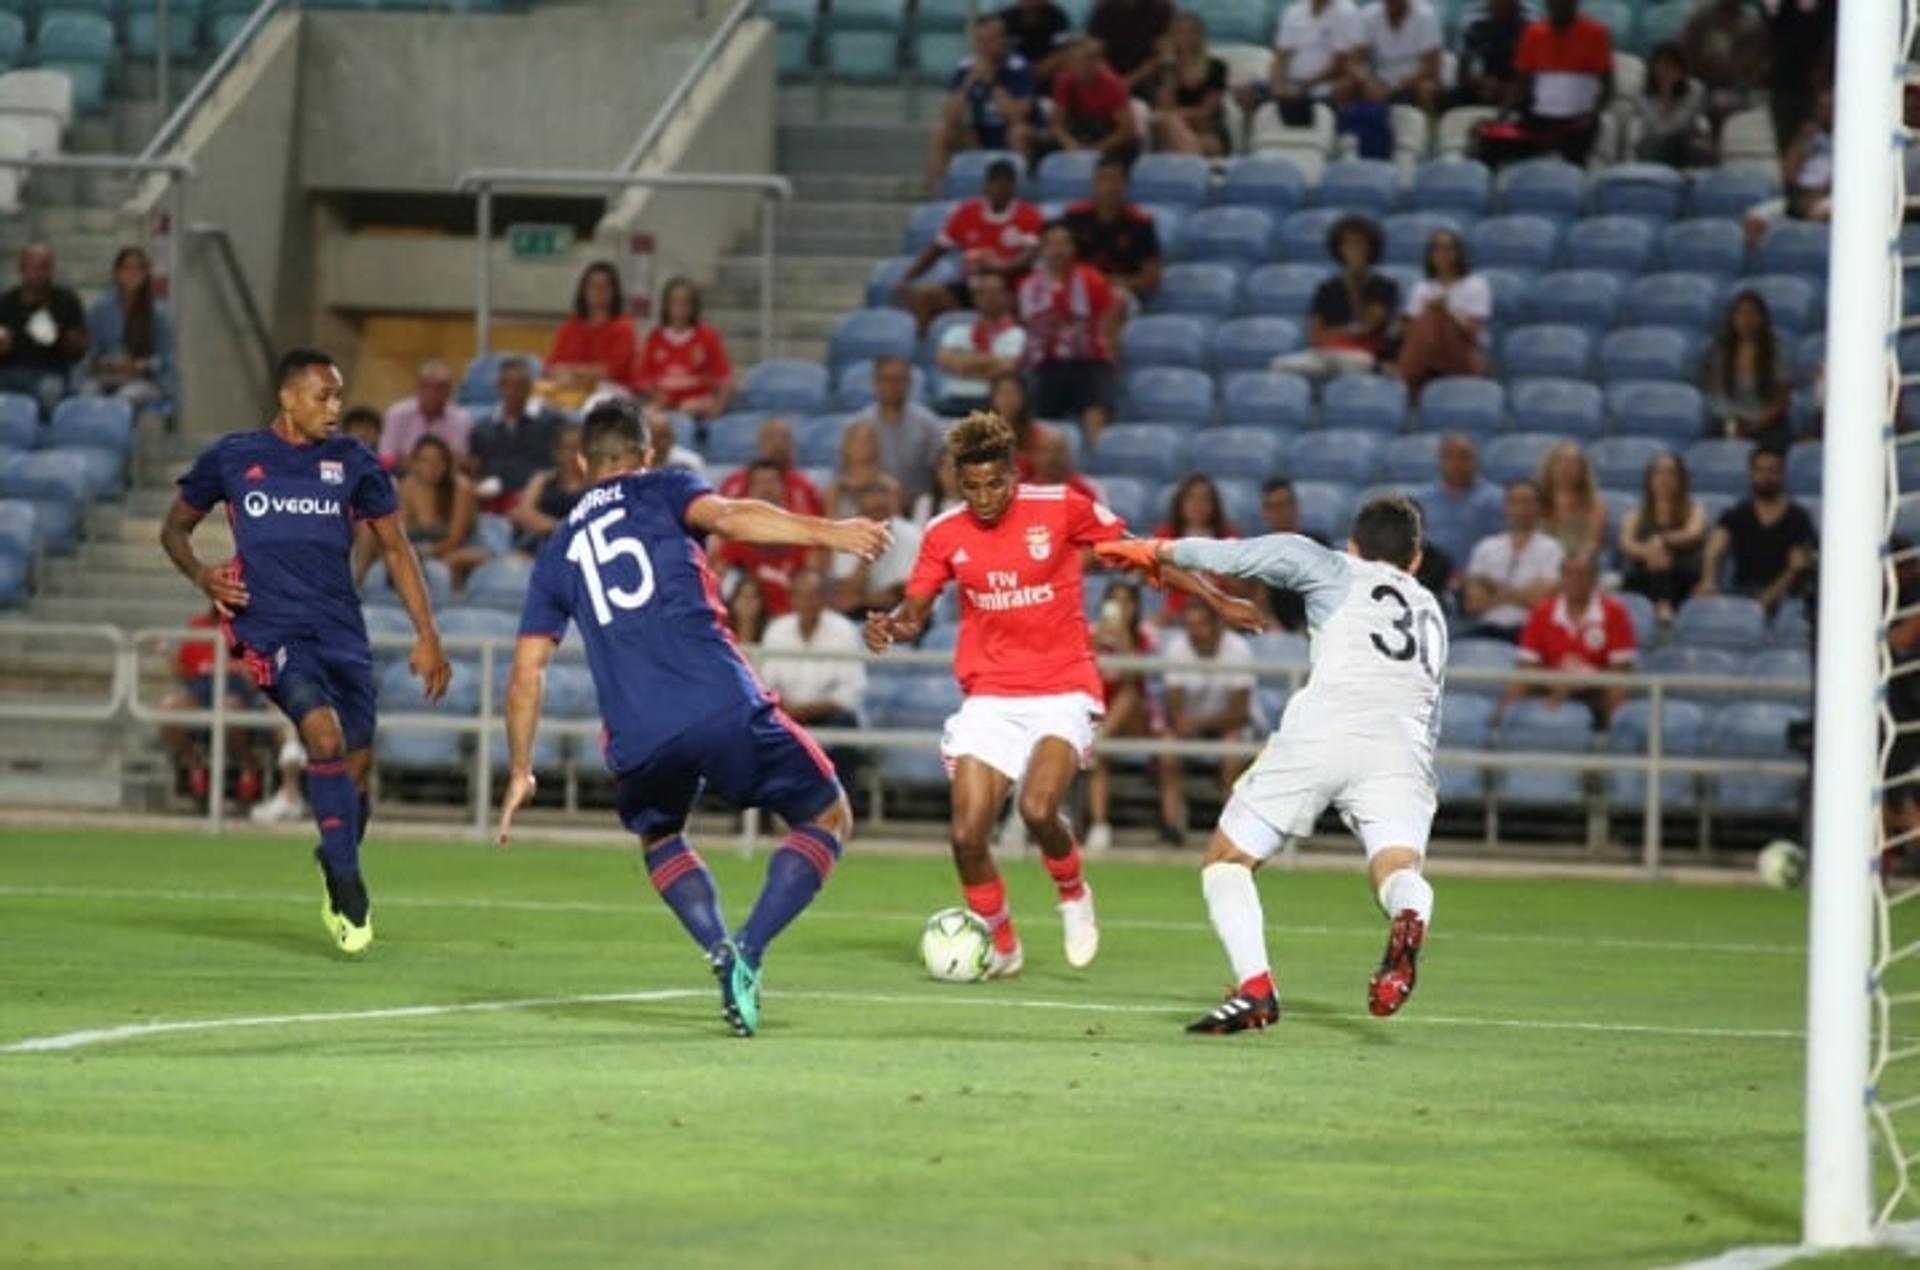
(1420, 633)
(594, 551)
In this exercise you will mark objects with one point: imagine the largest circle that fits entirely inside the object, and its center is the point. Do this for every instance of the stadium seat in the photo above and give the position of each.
(500, 583)
(968, 169)
(1462, 403)
(1284, 290)
(1466, 723)
(45, 475)
(1408, 233)
(887, 276)
(1755, 730)
(1792, 300)
(1168, 222)
(1621, 244)
(1235, 21)
(1682, 733)
(1647, 352)
(1251, 343)
(1231, 235)
(1786, 666)
(1064, 175)
(19, 532)
(1719, 466)
(785, 387)
(80, 46)
(1651, 191)
(1326, 509)
(1360, 185)
(1200, 289)
(1621, 462)
(929, 350)
(731, 438)
(1452, 185)
(1153, 451)
(493, 534)
(19, 421)
(1302, 237)
(1790, 628)
(1640, 610)
(924, 224)
(1246, 453)
(1684, 300)
(1130, 498)
(13, 40)
(101, 423)
(1795, 247)
(1546, 350)
(1411, 459)
(1370, 403)
(1513, 242)
(408, 749)
(1531, 725)
(1547, 187)
(871, 333)
(1566, 406)
(1512, 295)
(496, 626)
(1350, 456)
(1704, 245)
(1267, 399)
(1733, 622)
(1725, 193)
(1179, 180)
(1165, 340)
(1516, 456)
(42, 101)
(1169, 393)
(1576, 297)
(816, 441)
(853, 386)
(1267, 181)
(1804, 469)
(1662, 23)
(438, 579)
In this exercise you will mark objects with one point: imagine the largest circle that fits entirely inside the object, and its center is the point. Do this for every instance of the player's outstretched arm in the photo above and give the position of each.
(524, 691)
(1283, 560)
(1240, 614)
(903, 625)
(428, 660)
(750, 520)
(228, 594)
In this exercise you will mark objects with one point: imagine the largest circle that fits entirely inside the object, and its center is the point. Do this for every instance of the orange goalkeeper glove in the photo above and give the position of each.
(1140, 554)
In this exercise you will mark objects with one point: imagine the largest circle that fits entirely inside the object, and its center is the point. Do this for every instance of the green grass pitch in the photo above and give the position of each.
(1590, 1074)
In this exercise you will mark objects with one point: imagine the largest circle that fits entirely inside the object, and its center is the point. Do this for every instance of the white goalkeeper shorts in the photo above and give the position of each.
(1385, 795)
(1002, 732)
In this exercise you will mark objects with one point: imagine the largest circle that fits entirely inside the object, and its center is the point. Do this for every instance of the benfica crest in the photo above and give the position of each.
(1039, 543)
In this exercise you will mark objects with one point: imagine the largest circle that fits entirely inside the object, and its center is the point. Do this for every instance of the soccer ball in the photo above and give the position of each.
(1781, 865)
(955, 945)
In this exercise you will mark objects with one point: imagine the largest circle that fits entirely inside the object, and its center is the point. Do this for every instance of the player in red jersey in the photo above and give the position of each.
(1025, 663)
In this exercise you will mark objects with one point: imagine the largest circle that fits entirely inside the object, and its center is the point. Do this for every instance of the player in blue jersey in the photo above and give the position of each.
(680, 702)
(295, 490)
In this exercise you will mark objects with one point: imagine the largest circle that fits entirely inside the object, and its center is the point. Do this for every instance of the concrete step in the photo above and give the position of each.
(824, 283)
(128, 613)
(111, 525)
(742, 326)
(141, 582)
(859, 105)
(745, 343)
(886, 149)
(806, 217)
(869, 243)
(112, 556)
(906, 188)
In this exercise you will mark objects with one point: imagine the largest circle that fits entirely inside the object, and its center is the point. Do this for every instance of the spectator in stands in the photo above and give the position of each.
(1727, 48)
(438, 506)
(1314, 52)
(816, 692)
(1073, 323)
(1349, 322)
(1662, 537)
(596, 345)
(363, 424)
(857, 467)
(1768, 537)
(946, 492)
(1571, 509)
(1092, 105)
(1209, 695)
(663, 446)
(1049, 461)
(1578, 630)
(1007, 397)
(1485, 75)
(1116, 236)
(683, 364)
(1747, 374)
(514, 440)
(1400, 60)
(910, 435)
(1508, 573)
(430, 412)
(1280, 513)
(1445, 331)
(973, 354)
(1038, 30)
(1132, 34)
(1806, 170)
(551, 494)
(989, 102)
(1196, 510)
(995, 233)
(1671, 117)
(1189, 93)
(862, 586)
(193, 664)
(43, 331)
(1461, 507)
(1801, 61)
(129, 339)
(774, 445)
(773, 566)
(747, 609)
(1131, 708)
(1565, 78)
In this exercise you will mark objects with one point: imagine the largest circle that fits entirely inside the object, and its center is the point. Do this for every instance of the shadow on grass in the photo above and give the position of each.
(278, 929)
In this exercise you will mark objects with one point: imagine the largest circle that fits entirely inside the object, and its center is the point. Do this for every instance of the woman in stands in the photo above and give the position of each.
(1672, 116)
(1747, 374)
(1189, 93)
(858, 467)
(683, 364)
(1571, 509)
(550, 495)
(438, 505)
(1662, 537)
(747, 615)
(129, 340)
(1196, 511)
(596, 345)
(1446, 318)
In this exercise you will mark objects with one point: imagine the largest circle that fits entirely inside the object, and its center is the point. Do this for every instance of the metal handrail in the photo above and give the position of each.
(709, 53)
(249, 303)
(176, 123)
(92, 712)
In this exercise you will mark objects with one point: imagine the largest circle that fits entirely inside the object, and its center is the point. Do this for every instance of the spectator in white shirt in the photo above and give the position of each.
(860, 586)
(1446, 318)
(1401, 63)
(1209, 696)
(1509, 573)
(972, 354)
(664, 449)
(1313, 55)
(815, 692)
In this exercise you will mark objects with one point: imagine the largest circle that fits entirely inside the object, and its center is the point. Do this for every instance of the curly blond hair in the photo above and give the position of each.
(981, 437)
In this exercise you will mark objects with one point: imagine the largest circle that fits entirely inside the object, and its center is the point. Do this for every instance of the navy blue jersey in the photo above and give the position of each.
(293, 509)
(624, 567)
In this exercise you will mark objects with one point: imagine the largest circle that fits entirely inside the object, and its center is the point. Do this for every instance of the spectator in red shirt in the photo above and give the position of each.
(1577, 630)
(683, 363)
(995, 233)
(1073, 318)
(596, 345)
(773, 567)
(1563, 79)
(1092, 106)
(1115, 236)
(775, 445)
(193, 669)
(1196, 511)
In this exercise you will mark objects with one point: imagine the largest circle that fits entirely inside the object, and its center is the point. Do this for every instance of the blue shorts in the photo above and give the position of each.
(752, 757)
(239, 686)
(301, 676)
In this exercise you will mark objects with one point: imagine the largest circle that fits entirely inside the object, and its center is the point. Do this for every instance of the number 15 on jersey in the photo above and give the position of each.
(593, 551)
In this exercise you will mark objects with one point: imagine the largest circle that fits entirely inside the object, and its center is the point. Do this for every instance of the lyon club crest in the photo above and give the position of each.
(333, 472)
(1039, 544)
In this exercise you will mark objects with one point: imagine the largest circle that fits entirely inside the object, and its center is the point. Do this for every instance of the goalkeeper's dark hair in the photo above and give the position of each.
(296, 362)
(1390, 529)
(612, 432)
(981, 437)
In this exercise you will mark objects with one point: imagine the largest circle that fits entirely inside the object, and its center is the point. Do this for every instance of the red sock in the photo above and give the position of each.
(1261, 985)
(989, 901)
(1065, 873)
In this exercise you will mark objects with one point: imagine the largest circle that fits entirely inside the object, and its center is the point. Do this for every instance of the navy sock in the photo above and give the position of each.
(681, 877)
(795, 874)
(336, 809)
(366, 816)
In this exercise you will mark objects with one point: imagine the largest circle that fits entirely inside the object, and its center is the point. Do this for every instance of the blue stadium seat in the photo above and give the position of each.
(1719, 466)
(1413, 458)
(1804, 469)
(937, 53)
(1474, 653)
(1246, 453)
(1513, 242)
(1647, 352)
(1727, 193)
(871, 333)
(480, 383)
(1810, 353)
(13, 578)
(1169, 393)
(924, 224)
(1165, 340)
(1371, 403)
(1795, 247)
(500, 583)
(1793, 301)
(1531, 725)
(1452, 185)
(1462, 403)
(1757, 730)
(1683, 729)
(1672, 299)
(853, 386)
(58, 520)
(816, 441)
(1790, 628)
(1691, 659)
(1326, 509)
(1576, 297)
(1235, 21)
(1351, 456)
(1792, 666)
(1267, 399)
(1267, 181)
(467, 622)
(13, 41)
(1622, 244)
(1546, 350)
(943, 15)
(45, 475)
(1549, 187)
(731, 438)
(1148, 450)
(404, 748)
(375, 589)
(1621, 462)
(1640, 610)
(493, 534)
(1065, 175)
(967, 170)
(1512, 295)
(1251, 343)
(98, 423)
(1233, 235)
(1651, 191)
(1704, 245)
(1360, 185)
(1302, 236)
(19, 421)
(788, 387)
(1516, 456)
(19, 530)
(1409, 232)
(1282, 290)
(143, 33)
(1179, 180)
(1732, 622)
(1567, 406)
(887, 276)
(863, 56)
(1466, 723)
(1201, 289)
(1168, 222)
(1131, 499)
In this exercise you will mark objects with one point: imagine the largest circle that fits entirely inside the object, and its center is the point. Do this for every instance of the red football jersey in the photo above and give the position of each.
(1599, 639)
(985, 237)
(1023, 626)
(683, 365)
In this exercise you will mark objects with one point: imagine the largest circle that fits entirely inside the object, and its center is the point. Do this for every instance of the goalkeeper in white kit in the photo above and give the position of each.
(1360, 736)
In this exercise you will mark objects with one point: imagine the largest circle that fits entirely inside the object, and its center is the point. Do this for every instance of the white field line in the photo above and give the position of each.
(643, 907)
(1902, 1237)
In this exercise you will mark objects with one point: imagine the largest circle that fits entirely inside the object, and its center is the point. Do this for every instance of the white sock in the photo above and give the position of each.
(1233, 902)
(1406, 889)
